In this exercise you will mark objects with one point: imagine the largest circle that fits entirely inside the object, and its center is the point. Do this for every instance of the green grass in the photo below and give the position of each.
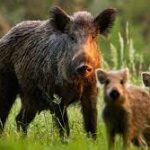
(42, 135)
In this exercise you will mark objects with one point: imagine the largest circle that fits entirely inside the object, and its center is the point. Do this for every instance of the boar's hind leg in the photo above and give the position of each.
(89, 110)
(8, 92)
(61, 119)
(23, 119)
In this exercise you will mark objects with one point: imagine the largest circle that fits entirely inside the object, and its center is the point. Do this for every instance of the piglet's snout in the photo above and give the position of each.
(114, 94)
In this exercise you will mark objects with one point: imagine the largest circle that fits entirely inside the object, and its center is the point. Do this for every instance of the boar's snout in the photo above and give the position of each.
(114, 94)
(84, 69)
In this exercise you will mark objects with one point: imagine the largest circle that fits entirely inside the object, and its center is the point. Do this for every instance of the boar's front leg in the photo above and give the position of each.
(23, 119)
(61, 119)
(89, 110)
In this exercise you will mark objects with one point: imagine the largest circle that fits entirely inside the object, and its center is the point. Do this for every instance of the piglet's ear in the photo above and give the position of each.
(104, 21)
(101, 76)
(146, 78)
(125, 74)
(60, 19)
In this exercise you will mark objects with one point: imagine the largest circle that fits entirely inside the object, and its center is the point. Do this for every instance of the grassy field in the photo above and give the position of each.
(42, 135)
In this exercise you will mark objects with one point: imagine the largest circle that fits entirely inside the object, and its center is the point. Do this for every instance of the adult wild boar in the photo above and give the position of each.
(58, 56)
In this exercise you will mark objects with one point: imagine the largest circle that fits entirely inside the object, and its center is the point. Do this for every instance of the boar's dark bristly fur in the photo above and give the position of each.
(42, 60)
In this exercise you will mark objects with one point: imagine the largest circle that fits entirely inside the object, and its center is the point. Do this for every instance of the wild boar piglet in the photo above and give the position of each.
(127, 108)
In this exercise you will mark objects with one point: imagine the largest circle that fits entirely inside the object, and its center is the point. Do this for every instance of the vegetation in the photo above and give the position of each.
(42, 134)
(127, 46)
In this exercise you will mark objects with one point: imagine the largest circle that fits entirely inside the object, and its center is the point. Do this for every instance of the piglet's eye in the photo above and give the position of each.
(121, 82)
(107, 81)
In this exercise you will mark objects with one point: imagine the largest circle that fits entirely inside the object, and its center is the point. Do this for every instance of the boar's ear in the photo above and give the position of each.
(104, 21)
(101, 76)
(125, 74)
(146, 78)
(60, 19)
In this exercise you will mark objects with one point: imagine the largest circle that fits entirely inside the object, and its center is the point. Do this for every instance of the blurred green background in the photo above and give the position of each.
(129, 42)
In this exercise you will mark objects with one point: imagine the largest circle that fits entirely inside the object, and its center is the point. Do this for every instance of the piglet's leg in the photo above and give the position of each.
(110, 139)
(127, 138)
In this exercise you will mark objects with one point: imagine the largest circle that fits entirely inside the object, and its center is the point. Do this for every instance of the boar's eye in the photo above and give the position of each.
(73, 38)
(107, 82)
(121, 82)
